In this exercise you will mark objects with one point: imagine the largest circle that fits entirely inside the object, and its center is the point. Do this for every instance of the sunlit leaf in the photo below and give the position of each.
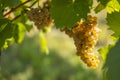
(112, 6)
(7, 43)
(43, 43)
(113, 20)
(6, 33)
(21, 32)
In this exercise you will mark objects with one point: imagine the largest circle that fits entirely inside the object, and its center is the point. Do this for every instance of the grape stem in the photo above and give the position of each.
(13, 9)
(25, 11)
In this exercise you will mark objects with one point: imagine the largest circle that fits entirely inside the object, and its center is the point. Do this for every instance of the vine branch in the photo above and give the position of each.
(25, 11)
(13, 9)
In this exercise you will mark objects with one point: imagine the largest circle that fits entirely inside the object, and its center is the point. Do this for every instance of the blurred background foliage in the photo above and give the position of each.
(25, 61)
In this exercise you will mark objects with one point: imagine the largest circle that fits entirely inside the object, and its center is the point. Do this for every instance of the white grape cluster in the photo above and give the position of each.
(40, 17)
(85, 35)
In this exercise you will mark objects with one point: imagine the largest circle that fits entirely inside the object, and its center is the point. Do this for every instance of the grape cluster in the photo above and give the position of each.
(40, 17)
(85, 36)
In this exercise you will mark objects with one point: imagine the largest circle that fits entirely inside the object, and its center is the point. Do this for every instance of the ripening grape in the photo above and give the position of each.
(40, 17)
(90, 59)
(85, 35)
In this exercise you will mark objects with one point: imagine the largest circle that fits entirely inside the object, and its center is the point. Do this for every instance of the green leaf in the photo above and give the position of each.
(43, 43)
(112, 6)
(118, 1)
(7, 43)
(81, 8)
(103, 2)
(1, 11)
(113, 20)
(16, 35)
(19, 32)
(3, 23)
(112, 63)
(10, 3)
(67, 12)
(28, 25)
(99, 8)
(23, 19)
(6, 33)
(90, 2)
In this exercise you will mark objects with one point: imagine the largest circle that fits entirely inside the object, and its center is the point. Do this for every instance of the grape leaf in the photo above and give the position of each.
(90, 2)
(112, 63)
(103, 2)
(16, 35)
(118, 1)
(1, 12)
(6, 33)
(1, 9)
(43, 43)
(10, 3)
(113, 20)
(3, 23)
(67, 12)
(23, 19)
(112, 6)
(99, 7)
(19, 32)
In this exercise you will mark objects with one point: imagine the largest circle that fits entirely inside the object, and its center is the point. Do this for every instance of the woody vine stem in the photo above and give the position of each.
(13, 9)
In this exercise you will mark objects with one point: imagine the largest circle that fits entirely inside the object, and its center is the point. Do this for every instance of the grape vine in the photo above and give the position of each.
(70, 16)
